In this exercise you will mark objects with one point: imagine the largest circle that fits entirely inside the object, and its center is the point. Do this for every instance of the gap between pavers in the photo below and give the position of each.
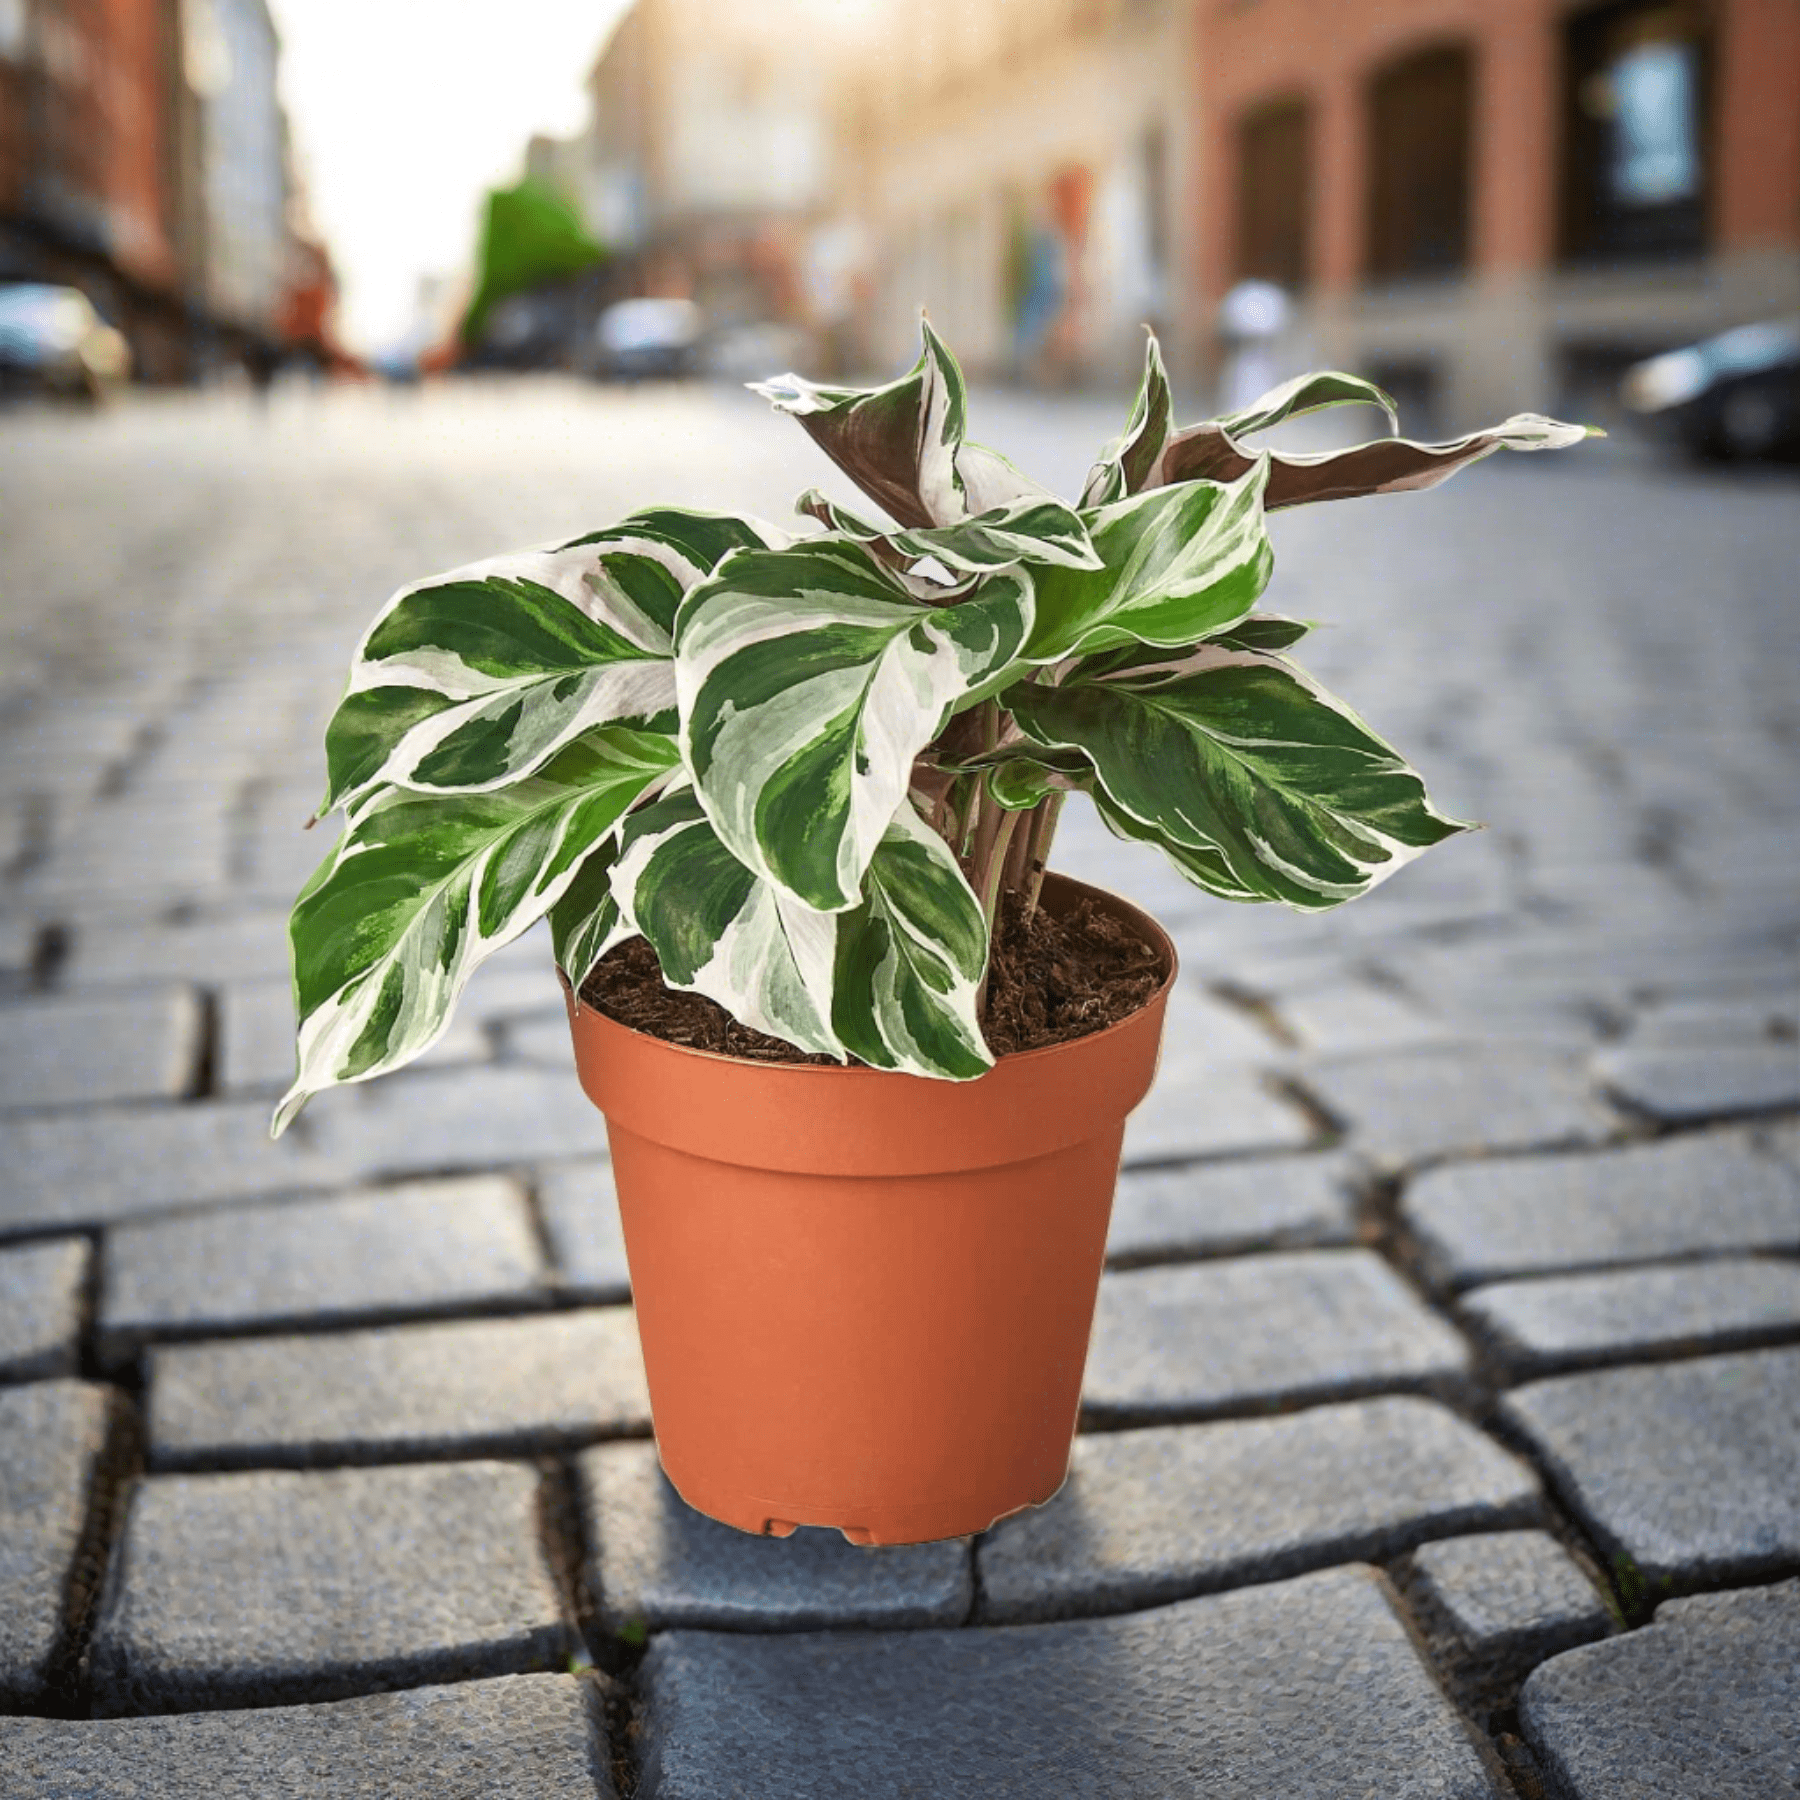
(227, 1590)
(513, 1737)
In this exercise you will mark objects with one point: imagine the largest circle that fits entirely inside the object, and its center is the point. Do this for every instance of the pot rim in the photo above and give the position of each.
(1156, 935)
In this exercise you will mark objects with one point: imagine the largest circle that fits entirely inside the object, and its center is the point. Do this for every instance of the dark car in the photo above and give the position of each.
(1735, 395)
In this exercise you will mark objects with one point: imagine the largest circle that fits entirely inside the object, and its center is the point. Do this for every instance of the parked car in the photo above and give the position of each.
(647, 339)
(1734, 395)
(53, 341)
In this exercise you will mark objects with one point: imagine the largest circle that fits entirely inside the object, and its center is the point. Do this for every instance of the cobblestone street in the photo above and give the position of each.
(1441, 1425)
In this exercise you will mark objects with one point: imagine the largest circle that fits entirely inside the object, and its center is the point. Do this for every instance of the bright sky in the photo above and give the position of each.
(403, 114)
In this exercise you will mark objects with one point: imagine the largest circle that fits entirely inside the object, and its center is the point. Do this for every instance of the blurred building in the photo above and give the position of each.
(1497, 203)
(143, 158)
(711, 151)
(1022, 168)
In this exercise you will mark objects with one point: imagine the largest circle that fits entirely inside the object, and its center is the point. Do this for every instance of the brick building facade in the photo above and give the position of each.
(1497, 202)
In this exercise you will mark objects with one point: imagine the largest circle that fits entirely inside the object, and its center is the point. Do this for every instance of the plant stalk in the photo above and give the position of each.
(989, 886)
(1037, 850)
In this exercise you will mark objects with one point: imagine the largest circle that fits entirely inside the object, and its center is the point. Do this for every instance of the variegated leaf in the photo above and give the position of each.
(585, 921)
(718, 929)
(1385, 466)
(1127, 464)
(421, 889)
(476, 678)
(1241, 759)
(891, 981)
(1309, 394)
(1030, 531)
(809, 681)
(1179, 563)
(903, 444)
(1271, 632)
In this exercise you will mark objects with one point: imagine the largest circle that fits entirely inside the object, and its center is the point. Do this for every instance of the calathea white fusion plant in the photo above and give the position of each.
(806, 768)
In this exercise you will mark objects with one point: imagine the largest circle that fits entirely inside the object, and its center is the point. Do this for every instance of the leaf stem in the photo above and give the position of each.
(1044, 817)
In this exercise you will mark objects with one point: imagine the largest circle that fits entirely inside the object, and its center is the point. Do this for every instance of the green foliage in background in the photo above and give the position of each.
(530, 235)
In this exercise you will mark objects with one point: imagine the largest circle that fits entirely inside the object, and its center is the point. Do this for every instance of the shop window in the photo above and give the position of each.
(1419, 165)
(1274, 193)
(1635, 139)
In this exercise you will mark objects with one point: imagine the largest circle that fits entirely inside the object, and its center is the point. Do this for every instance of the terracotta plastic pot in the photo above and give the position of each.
(865, 1298)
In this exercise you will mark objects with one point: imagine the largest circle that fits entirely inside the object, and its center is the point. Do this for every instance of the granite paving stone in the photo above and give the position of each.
(1172, 1510)
(1702, 1702)
(580, 1209)
(113, 1163)
(541, 1039)
(1213, 1208)
(1342, 1017)
(1261, 1331)
(230, 1589)
(1711, 1193)
(229, 946)
(1277, 1690)
(82, 1051)
(441, 1119)
(1205, 1110)
(41, 1288)
(514, 1737)
(1510, 1596)
(1750, 1019)
(52, 1434)
(424, 1247)
(483, 1387)
(256, 1038)
(1684, 1084)
(1565, 1321)
(658, 1563)
(1691, 1470)
(1404, 1107)
(1208, 1099)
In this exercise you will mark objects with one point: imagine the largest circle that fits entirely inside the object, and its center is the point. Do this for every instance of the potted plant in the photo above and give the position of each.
(787, 802)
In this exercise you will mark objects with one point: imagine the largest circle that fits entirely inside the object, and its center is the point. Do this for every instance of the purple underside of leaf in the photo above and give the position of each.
(861, 442)
(1387, 466)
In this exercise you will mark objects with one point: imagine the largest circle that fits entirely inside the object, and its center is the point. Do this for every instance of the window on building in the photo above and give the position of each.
(1419, 165)
(1635, 132)
(1274, 193)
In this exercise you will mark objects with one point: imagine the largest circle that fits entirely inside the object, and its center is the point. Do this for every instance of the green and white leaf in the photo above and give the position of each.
(1127, 465)
(1179, 563)
(585, 921)
(1210, 452)
(421, 889)
(808, 682)
(1270, 632)
(891, 981)
(1031, 531)
(902, 444)
(1279, 790)
(477, 678)
(1308, 394)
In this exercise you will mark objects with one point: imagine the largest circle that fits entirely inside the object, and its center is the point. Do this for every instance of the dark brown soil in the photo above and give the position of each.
(1052, 980)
